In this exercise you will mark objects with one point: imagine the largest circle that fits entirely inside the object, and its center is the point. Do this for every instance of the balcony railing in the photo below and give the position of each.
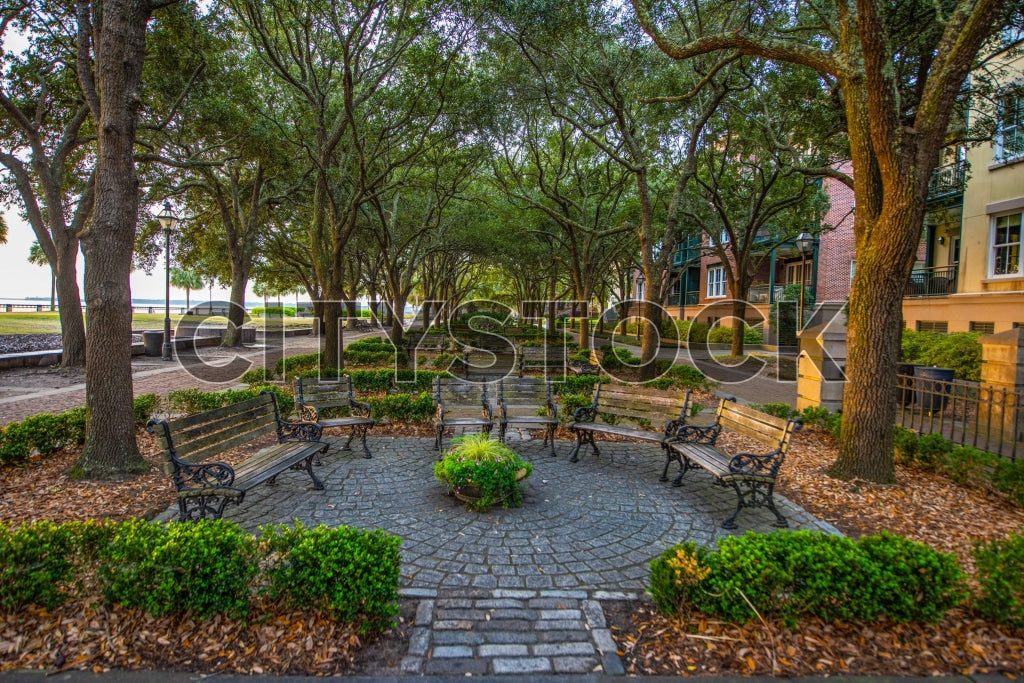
(762, 294)
(947, 180)
(684, 299)
(938, 281)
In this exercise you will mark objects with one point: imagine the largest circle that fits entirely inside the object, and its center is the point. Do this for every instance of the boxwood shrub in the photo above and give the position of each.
(349, 572)
(801, 573)
(1000, 566)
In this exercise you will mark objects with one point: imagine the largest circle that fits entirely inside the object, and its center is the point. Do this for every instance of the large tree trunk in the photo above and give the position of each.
(352, 314)
(119, 48)
(875, 324)
(651, 338)
(236, 312)
(69, 298)
(398, 320)
(739, 309)
(333, 336)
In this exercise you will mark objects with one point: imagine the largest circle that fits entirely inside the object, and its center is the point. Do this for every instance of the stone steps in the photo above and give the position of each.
(504, 631)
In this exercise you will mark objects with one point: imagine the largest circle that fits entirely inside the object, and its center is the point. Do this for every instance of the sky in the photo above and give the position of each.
(19, 279)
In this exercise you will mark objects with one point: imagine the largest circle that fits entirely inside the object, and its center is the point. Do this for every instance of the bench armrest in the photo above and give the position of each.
(757, 464)
(202, 475)
(308, 413)
(695, 433)
(585, 413)
(360, 409)
(298, 431)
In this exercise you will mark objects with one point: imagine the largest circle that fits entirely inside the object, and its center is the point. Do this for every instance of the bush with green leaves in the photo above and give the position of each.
(348, 572)
(36, 564)
(205, 567)
(263, 312)
(47, 433)
(783, 410)
(255, 376)
(286, 366)
(404, 407)
(1008, 477)
(793, 575)
(960, 351)
(681, 377)
(822, 418)
(570, 403)
(191, 401)
(722, 334)
(488, 466)
(617, 357)
(578, 384)
(1000, 565)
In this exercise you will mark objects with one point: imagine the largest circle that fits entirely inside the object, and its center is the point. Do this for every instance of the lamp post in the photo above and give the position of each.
(168, 221)
(641, 296)
(805, 244)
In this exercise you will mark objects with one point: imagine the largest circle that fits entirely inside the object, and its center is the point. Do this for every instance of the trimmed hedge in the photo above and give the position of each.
(1001, 575)
(347, 572)
(190, 401)
(202, 568)
(799, 574)
(47, 433)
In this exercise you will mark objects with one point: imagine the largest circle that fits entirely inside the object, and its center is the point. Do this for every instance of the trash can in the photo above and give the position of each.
(934, 386)
(153, 340)
(905, 382)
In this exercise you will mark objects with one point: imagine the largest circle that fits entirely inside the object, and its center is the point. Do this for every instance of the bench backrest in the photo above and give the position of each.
(324, 393)
(430, 342)
(775, 432)
(523, 396)
(193, 438)
(640, 406)
(457, 397)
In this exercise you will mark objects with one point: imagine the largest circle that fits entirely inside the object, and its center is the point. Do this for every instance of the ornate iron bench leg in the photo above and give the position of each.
(362, 438)
(670, 455)
(549, 437)
(780, 521)
(684, 467)
(576, 450)
(307, 466)
(730, 523)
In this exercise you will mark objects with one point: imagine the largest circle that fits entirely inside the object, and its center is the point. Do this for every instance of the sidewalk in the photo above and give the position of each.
(210, 370)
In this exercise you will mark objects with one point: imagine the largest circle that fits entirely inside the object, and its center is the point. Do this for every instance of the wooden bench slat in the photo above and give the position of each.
(197, 451)
(187, 421)
(262, 414)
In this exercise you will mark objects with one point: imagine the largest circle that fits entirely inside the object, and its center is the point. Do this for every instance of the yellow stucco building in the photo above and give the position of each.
(970, 275)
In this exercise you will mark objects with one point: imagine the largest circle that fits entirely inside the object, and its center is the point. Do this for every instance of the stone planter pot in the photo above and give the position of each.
(471, 494)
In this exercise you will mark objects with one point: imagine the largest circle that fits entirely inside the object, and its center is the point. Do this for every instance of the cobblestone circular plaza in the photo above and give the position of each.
(592, 525)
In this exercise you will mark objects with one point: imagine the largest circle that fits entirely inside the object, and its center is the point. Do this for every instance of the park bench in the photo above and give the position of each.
(461, 404)
(430, 341)
(751, 475)
(520, 402)
(206, 487)
(313, 396)
(654, 414)
(544, 358)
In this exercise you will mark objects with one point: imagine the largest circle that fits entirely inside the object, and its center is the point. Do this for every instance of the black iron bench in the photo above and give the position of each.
(314, 396)
(520, 402)
(751, 475)
(205, 488)
(461, 404)
(544, 358)
(654, 414)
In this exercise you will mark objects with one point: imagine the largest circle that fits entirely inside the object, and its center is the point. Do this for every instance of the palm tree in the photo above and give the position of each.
(182, 278)
(37, 257)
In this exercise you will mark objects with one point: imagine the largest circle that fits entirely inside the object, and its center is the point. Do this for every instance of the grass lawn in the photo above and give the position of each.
(49, 323)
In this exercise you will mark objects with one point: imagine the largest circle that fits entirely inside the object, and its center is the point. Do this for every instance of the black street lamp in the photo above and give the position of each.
(168, 221)
(805, 244)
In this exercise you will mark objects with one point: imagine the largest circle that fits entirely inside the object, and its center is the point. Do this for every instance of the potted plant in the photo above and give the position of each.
(482, 472)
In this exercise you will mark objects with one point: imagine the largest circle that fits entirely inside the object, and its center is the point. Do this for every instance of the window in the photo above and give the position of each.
(793, 273)
(1012, 35)
(721, 240)
(716, 282)
(933, 326)
(1010, 128)
(853, 268)
(675, 288)
(1006, 245)
(984, 328)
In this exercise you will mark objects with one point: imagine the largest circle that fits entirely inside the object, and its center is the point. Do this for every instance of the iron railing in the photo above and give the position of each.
(947, 180)
(983, 416)
(938, 281)
(762, 294)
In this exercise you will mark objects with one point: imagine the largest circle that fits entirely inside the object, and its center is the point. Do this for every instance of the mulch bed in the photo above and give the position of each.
(923, 506)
